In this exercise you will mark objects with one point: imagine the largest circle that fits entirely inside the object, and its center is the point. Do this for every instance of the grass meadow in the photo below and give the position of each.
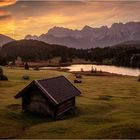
(109, 107)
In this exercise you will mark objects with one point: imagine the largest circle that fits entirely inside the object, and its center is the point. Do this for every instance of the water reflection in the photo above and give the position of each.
(111, 69)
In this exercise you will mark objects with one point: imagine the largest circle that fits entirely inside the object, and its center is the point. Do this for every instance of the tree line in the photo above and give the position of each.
(32, 50)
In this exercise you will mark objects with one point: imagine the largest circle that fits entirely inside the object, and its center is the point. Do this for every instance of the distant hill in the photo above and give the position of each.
(30, 50)
(4, 39)
(89, 37)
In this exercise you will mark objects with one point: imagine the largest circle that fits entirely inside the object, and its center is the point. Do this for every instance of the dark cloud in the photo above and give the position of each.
(4, 15)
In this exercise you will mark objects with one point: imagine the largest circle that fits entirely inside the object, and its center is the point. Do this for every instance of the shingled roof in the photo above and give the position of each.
(57, 89)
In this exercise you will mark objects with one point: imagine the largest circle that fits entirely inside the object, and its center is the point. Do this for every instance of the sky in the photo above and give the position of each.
(19, 18)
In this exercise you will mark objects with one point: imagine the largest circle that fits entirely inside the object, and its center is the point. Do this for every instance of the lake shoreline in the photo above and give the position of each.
(87, 73)
(114, 70)
(66, 64)
(87, 67)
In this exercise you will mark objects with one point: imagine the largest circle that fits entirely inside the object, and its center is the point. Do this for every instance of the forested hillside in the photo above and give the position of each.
(32, 50)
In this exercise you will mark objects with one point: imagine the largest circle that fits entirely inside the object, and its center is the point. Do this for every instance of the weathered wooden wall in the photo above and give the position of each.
(37, 102)
(65, 106)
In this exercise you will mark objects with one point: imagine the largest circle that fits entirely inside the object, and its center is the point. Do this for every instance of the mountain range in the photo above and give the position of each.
(89, 37)
(5, 39)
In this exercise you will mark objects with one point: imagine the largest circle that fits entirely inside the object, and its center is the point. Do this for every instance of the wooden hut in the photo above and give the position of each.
(52, 96)
(78, 75)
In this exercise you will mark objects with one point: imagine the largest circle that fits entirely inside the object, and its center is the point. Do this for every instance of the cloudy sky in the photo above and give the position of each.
(19, 18)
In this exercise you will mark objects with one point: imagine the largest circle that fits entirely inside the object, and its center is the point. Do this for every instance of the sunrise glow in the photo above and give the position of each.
(19, 18)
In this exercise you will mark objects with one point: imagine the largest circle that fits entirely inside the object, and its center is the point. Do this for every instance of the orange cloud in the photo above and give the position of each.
(29, 17)
(7, 2)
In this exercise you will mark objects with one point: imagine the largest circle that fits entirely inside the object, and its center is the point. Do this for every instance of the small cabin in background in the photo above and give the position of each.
(53, 96)
(78, 75)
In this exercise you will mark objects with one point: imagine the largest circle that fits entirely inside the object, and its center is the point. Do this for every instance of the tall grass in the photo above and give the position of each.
(109, 107)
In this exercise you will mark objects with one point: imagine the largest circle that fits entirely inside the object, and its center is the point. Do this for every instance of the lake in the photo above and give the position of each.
(106, 68)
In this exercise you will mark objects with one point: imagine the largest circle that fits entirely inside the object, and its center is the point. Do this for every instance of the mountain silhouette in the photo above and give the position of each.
(89, 37)
(5, 39)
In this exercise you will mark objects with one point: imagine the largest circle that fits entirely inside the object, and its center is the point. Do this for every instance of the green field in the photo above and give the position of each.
(109, 107)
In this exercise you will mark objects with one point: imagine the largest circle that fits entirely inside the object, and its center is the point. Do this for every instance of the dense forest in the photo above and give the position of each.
(31, 50)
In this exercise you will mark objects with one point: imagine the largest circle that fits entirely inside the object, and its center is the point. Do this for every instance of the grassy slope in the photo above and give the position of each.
(109, 107)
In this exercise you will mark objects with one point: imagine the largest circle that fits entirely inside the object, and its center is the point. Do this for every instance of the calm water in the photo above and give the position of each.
(111, 69)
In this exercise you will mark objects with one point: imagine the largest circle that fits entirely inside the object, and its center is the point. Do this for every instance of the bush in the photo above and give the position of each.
(77, 81)
(92, 69)
(26, 66)
(36, 68)
(3, 77)
(1, 71)
(78, 75)
(25, 77)
(3, 62)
